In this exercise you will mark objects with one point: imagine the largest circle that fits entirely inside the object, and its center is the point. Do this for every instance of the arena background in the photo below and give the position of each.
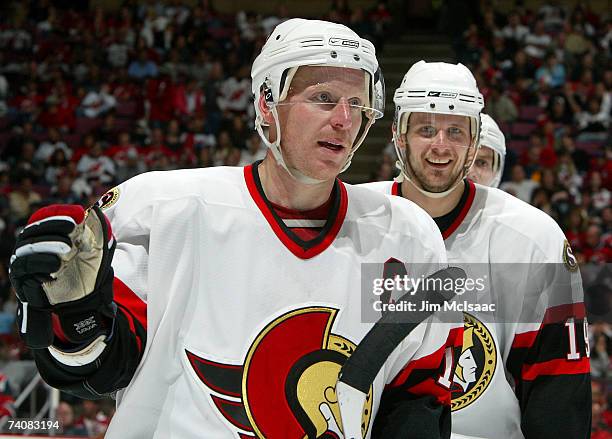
(92, 93)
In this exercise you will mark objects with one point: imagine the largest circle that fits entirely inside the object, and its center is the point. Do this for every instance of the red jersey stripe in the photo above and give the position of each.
(125, 297)
(555, 367)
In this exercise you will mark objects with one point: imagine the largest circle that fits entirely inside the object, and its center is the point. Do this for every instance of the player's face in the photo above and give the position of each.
(321, 118)
(482, 169)
(438, 146)
(467, 362)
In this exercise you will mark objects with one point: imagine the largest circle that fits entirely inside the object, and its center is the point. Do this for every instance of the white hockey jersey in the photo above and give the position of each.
(247, 326)
(514, 362)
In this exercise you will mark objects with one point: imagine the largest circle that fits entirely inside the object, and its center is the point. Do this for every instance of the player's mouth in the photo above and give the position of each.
(332, 145)
(438, 163)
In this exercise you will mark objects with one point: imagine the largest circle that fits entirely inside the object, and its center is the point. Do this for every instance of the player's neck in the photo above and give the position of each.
(283, 189)
(435, 207)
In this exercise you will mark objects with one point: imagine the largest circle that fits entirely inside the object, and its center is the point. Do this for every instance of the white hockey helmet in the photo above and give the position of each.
(300, 42)
(438, 88)
(492, 137)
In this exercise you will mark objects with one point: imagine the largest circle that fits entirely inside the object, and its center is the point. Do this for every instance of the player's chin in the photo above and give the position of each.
(325, 170)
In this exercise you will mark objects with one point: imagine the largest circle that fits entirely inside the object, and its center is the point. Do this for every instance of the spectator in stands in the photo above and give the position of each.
(142, 67)
(130, 166)
(600, 359)
(155, 153)
(594, 249)
(606, 222)
(537, 42)
(117, 53)
(94, 420)
(235, 92)
(174, 67)
(541, 200)
(65, 416)
(514, 31)
(521, 72)
(189, 99)
(26, 162)
(62, 192)
(255, 150)
(200, 68)
(20, 134)
(96, 167)
(106, 133)
(173, 137)
(98, 102)
(26, 106)
(599, 428)
(23, 198)
(54, 141)
(56, 166)
(552, 73)
(574, 227)
(600, 196)
(500, 106)
(593, 119)
(519, 185)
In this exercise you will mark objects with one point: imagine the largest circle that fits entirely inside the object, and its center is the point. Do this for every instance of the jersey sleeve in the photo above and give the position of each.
(101, 369)
(417, 396)
(549, 355)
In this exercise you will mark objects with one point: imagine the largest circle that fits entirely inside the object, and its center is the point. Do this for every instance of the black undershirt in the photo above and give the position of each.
(444, 222)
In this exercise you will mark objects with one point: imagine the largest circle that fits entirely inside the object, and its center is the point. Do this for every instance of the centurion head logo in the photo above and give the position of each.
(286, 386)
(475, 365)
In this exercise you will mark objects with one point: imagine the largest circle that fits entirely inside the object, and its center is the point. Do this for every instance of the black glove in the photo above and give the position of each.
(62, 265)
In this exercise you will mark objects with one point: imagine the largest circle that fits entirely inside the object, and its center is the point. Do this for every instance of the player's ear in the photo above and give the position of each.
(265, 110)
(397, 137)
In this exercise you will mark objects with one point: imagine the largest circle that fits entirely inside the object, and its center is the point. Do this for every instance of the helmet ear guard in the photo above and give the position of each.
(492, 137)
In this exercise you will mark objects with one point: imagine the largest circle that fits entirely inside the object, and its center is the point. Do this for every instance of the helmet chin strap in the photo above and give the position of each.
(278, 154)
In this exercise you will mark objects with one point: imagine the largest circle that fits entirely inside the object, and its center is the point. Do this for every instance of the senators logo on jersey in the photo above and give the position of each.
(108, 199)
(475, 365)
(286, 386)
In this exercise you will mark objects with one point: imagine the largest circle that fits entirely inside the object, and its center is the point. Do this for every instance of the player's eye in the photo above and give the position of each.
(355, 101)
(427, 131)
(480, 163)
(323, 97)
(456, 133)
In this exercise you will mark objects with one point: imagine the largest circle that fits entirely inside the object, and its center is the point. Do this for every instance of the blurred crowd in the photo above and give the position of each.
(546, 76)
(90, 98)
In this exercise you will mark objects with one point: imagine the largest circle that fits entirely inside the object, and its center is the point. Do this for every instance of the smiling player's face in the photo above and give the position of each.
(438, 146)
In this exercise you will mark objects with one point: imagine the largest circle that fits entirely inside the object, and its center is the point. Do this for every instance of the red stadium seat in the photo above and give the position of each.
(518, 146)
(523, 129)
(85, 124)
(127, 109)
(529, 113)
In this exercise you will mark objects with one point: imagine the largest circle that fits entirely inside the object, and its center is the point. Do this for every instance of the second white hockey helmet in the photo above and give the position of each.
(437, 88)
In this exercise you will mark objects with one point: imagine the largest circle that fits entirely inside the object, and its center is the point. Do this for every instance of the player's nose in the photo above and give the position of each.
(341, 115)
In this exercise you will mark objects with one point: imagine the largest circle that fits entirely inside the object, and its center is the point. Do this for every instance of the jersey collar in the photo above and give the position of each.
(451, 221)
(301, 249)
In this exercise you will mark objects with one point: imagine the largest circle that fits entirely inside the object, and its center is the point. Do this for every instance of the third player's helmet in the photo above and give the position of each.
(492, 137)
(437, 88)
(298, 42)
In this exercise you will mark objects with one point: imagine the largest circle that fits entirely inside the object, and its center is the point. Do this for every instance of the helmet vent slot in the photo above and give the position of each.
(312, 42)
